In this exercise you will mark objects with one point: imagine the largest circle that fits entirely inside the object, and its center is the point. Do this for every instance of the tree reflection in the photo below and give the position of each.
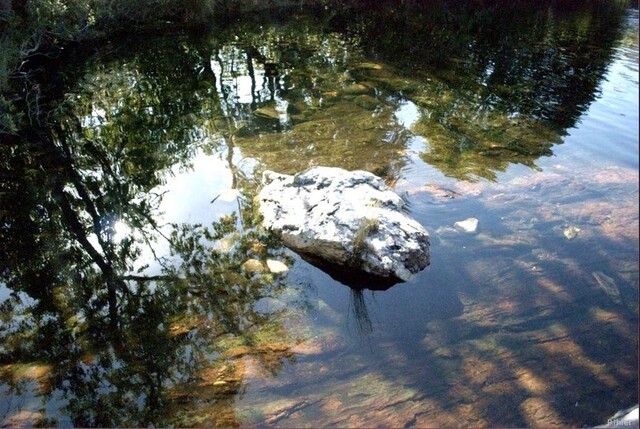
(115, 344)
(294, 103)
(495, 83)
(171, 329)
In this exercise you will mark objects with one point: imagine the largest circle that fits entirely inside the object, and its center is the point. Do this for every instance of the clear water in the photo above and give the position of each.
(529, 124)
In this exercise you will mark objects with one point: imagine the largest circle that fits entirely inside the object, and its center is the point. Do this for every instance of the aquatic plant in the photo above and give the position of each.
(366, 228)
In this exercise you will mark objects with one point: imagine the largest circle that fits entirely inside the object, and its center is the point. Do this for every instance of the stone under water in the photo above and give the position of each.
(468, 225)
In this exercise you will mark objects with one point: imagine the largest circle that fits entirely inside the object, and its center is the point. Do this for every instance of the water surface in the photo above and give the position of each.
(135, 283)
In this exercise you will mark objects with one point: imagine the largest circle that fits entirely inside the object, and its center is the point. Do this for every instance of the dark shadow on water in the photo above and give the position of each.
(352, 277)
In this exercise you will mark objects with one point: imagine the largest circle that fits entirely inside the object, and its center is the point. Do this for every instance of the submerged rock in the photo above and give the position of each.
(608, 285)
(571, 232)
(348, 218)
(253, 266)
(435, 191)
(276, 267)
(268, 112)
(468, 225)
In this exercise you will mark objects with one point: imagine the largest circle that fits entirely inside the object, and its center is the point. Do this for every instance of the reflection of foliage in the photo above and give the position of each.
(467, 139)
(165, 336)
(141, 101)
(341, 135)
(90, 175)
(495, 83)
(490, 90)
(113, 343)
(316, 113)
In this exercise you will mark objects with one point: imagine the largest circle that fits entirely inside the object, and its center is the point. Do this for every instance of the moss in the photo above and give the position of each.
(367, 227)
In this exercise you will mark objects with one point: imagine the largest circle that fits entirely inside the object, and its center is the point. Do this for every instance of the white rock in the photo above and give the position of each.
(345, 218)
(468, 225)
(276, 267)
(571, 232)
(252, 266)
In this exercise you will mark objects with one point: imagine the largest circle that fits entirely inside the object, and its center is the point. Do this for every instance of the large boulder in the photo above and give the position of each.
(349, 218)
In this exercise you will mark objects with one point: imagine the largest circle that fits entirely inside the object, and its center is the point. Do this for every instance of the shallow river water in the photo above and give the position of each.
(134, 280)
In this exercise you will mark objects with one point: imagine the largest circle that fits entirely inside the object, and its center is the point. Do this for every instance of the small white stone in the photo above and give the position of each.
(571, 232)
(468, 225)
(252, 266)
(276, 267)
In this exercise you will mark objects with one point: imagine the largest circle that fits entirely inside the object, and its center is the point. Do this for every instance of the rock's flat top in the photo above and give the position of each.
(350, 218)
